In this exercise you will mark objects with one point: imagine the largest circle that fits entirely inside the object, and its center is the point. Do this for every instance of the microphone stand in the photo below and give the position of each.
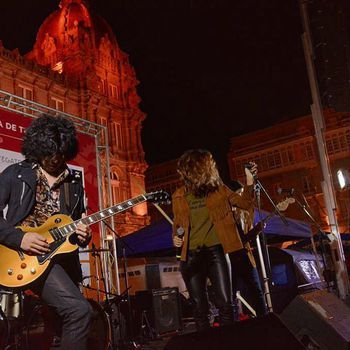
(104, 292)
(94, 255)
(107, 307)
(126, 281)
(262, 248)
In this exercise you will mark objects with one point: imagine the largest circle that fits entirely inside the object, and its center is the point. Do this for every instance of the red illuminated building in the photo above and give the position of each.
(76, 66)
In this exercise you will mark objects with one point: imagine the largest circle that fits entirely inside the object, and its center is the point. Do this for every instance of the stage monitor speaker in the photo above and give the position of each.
(320, 320)
(267, 333)
(166, 310)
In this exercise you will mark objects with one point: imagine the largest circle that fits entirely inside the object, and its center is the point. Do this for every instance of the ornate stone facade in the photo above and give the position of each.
(77, 66)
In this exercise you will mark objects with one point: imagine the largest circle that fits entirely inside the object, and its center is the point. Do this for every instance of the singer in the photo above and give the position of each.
(202, 208)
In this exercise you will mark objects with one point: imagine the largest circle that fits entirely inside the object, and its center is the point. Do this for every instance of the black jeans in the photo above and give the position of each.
(208, 263)
(241, 268)
(59, 292)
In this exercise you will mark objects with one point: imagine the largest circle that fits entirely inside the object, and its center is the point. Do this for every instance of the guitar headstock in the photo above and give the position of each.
(158, 197)
(283, 205)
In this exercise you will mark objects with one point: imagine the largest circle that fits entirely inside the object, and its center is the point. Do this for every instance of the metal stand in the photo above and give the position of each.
(262, 246)
(108, 304)
(327, 274)
(13, 316)
(131, 341)
(4, 341)
(245, 303)
(147, 330)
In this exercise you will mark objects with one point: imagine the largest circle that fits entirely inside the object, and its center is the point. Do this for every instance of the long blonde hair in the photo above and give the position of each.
(199, 172)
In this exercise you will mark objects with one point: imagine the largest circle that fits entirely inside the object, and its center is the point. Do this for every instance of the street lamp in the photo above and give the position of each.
(343, 178)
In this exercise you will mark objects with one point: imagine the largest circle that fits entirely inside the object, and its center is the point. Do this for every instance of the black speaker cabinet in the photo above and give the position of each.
(166, 310)
(267, 333)
(320, 320)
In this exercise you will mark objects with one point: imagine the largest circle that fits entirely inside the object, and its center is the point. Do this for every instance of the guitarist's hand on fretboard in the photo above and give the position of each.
(33, 243)
(83, 232)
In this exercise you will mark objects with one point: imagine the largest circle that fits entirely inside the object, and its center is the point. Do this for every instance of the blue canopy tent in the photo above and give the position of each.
(156, 238)
(275, 226)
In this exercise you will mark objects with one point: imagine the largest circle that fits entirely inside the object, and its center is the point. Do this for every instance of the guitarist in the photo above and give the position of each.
(35, 189)
(243, 266)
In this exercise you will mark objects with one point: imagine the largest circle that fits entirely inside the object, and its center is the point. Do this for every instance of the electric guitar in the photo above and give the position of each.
(257, 229)
(17, 269)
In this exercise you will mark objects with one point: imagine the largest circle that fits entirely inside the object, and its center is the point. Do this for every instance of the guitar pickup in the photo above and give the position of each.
(56, 234)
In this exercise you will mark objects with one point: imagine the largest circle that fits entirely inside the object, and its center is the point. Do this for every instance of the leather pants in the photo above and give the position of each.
(200, 265)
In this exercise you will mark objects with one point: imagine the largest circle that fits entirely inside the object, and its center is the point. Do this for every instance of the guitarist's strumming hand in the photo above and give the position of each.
(83, 232)
(33, 243)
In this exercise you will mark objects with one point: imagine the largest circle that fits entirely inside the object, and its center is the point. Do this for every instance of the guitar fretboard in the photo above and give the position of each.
(61, 232)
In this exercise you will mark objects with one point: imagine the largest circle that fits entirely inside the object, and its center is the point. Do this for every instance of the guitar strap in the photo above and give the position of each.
(67, 201)
(251, 234)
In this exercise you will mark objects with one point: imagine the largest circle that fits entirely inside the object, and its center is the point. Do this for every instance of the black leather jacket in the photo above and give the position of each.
(17, 192)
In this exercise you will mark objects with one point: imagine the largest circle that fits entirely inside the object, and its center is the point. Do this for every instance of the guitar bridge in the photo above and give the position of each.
(53, 247)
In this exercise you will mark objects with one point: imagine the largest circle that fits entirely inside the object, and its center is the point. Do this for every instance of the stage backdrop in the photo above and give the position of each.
(12, 128)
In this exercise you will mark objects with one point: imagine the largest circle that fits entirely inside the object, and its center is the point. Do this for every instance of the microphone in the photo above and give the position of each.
(249, 166)
(180, 233)
(286, 190)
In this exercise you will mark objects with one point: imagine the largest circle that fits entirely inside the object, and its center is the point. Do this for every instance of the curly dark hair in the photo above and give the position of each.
(50, 135)
(199, 172)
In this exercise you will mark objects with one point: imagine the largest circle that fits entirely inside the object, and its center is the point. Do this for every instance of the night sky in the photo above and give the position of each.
(208, 69)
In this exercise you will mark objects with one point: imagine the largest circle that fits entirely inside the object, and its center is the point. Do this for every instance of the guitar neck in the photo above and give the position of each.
(103, 214)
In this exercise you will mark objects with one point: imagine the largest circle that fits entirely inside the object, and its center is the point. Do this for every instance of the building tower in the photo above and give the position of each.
(77, 66)
(330, 30)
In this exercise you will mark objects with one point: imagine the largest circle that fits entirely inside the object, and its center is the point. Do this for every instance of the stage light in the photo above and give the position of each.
(343, 178)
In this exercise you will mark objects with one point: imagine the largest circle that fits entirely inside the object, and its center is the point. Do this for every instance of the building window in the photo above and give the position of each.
(116, 196)
(288, 156)
(338, 142)
(274, 159)
(347, 138)
(308, 151)
(117, 135)
(113, 91)
(27, 93)
(116, 193)
(57, 104)
(102, 86)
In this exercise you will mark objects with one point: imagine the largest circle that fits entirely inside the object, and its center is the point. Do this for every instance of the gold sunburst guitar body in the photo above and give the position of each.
(18, 269)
